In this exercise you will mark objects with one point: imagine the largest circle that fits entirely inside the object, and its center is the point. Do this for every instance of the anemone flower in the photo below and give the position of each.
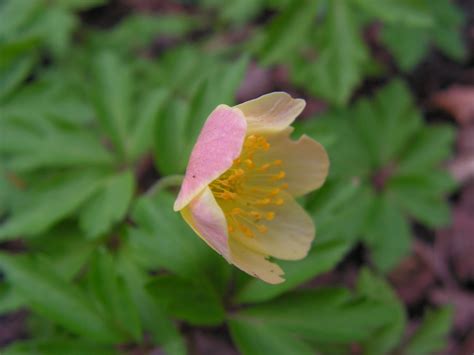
(242, 177)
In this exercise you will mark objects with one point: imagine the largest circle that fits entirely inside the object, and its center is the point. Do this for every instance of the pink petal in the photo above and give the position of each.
(207, 219)
(217, 146)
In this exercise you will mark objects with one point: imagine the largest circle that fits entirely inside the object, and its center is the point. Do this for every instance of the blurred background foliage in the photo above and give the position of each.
(99, 99)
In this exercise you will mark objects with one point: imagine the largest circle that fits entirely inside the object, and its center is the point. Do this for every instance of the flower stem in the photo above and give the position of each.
(165, 182)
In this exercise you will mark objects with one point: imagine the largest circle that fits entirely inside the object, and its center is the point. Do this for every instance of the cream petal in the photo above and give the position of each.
(254, 263)
(289, 234)
(207, 219)
(271, 112)
(305, 161)
(218, 144)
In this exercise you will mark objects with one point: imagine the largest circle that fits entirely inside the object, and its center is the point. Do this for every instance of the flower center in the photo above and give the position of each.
(250, 190)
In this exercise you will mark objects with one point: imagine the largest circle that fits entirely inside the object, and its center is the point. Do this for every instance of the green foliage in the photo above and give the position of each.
(385, 148)
(429, 335)
(91, 116)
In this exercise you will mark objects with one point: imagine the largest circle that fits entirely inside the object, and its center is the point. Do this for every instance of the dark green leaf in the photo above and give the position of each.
(430, 337)
(194, 301)
(324, 315)
(47, 292)
(109, 289)
(388, 234)
(254, 338)
(108, 205)
(288, 31)
(152, 315)
(62, 195)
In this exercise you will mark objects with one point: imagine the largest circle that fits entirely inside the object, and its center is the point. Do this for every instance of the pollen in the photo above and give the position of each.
(250, 192)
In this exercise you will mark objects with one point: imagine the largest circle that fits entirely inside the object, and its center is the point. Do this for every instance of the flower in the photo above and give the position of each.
(239, 187)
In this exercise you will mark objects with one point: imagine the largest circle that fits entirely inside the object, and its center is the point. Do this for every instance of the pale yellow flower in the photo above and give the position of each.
(241, 180)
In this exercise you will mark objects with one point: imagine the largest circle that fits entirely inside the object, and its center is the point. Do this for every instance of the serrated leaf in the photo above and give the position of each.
(429, 147)
(288, 31)
(407, 12)
(431, 335)
(387, 123)
(57, 346)
(108, 205)
(193, 301)
(55, 298)
(389, 336)
(254, 338)
(152, 315)
(339, 66)
(323, 315)
(112, 95)
(109, 289)
(409, 45)
(63, 195)
(49, 145)
(141, 135)
(387, 234)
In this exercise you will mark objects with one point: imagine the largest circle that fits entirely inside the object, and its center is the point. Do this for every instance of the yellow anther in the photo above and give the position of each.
(275, 191)
(279, 201)
(262, 229)
(263, 201)
(284, 186)
(255, 214)
(249, 163)
(236, 211)
(281, 174)
(230, 228)
(270, 215)
(264, 167)
(246, 230)
(278, 162)
(227, 195)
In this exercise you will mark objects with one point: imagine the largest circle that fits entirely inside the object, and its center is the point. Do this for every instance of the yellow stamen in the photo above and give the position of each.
(249, 190)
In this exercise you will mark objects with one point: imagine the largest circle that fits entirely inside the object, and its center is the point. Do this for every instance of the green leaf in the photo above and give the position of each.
(431, 335)
(389, 336)
(321, 258)
(62, 194)
(163, 239)
(324, 315)
(112, 96)
(12, 75)
(113, 296)
(388, 123)
(410, 44)
(287, 31)
(65, 248)
(152, 315)
(57, 346)
(193, 301)
(405, 12)
(108, 205)
(141, 135)
(339, 66)
(10, 299)
(55, 298)
(50, 145)
(428, 208)
(429, 148)
(387, 234)
(254, 338)
(349, 156)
